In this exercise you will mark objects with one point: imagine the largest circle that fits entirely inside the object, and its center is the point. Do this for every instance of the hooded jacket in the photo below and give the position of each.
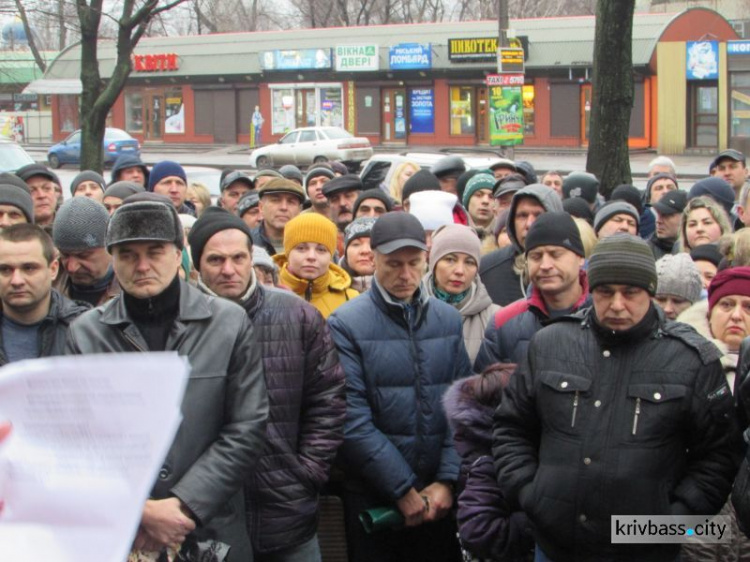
(507, 336)
(128, 161)
(53, 330)
(487, 525)
(593, 425)
(326, 293)
(496, 268)
(477, 311)
(399, 359)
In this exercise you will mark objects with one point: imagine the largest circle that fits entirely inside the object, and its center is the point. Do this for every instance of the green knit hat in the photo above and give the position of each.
(623, 259)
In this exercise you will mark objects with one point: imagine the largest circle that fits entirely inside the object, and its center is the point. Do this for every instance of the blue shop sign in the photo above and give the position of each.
(702, 60)
(410, 56)
(296, 59)
(738, 47)
(422, 111)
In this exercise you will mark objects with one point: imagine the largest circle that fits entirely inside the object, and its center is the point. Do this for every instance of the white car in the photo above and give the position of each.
(309, 145)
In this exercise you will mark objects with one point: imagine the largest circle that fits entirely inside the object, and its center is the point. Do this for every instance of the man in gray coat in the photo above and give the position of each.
(225, 407)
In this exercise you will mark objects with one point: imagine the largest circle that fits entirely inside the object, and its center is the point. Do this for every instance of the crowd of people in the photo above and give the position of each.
(480, 364)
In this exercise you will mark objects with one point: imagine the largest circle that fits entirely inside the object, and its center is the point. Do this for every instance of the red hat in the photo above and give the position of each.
(732, 281)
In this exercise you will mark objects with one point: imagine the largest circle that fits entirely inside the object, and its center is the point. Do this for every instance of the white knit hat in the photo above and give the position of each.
(679, 276)
(433, 208)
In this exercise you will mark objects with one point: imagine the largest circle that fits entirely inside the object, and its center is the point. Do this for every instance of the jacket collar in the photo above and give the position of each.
(398, 310)
(536, 300)
(193, 306)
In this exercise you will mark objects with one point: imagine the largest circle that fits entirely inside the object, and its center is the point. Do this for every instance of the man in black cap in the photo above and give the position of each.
(505, 188)
(233, 186)
(668, 220)
(248, 209)
(372, 203)
(117, 192)
(447, 170)
(503, 167)
(305, 385)
(79, 233)
(731, 167)
(615, 411)
(398, 447)
(342, 192)
(225, 406)
(43, 186)
(16, 205)
(317, 176)
(280, 201)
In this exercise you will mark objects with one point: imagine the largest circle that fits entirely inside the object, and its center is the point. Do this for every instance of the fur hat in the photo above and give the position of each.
(145, 217)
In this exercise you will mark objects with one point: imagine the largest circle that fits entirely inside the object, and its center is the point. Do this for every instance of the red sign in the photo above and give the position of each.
(504, 80)
(155, 63)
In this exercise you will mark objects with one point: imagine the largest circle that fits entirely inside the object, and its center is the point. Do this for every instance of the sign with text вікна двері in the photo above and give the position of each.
(356, 58)
(506, 109)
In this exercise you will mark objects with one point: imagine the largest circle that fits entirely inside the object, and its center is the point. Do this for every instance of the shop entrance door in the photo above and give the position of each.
(703, 121)
(483, 124)
(585, 113)
(305, 107)
(394, 115)
(154, 117)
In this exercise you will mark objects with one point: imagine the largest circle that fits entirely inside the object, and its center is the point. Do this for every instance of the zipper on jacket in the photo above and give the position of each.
(309, 291)
(135, 343)
(575, 410)
(637, 413)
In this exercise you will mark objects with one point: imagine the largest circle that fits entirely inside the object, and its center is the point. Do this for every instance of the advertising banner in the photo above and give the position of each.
(422, 111)
(298, 59)
(506, 115)
(410, 56)
(357, 58)
(702, 60)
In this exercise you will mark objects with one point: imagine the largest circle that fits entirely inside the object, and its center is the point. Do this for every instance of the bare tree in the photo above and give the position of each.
(99, 96)
(612, 94)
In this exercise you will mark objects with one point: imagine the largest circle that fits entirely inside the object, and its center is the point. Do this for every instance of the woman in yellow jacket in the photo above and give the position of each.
(307, 266)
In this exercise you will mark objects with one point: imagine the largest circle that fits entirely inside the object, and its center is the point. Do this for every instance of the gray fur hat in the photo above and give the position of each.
(80, 225)
(679, 276)
(11, 194)
(145, 217)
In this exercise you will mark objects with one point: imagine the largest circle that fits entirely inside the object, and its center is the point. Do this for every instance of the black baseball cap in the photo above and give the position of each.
(671, 203)
(396, 230)
(232, 177)
(730, 153)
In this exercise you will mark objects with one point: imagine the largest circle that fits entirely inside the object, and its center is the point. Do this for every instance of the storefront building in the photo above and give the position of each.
(421, 84)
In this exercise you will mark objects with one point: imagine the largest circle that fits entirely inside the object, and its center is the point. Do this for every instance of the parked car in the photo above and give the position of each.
(116, 142)
(309, 145)
(12, 156)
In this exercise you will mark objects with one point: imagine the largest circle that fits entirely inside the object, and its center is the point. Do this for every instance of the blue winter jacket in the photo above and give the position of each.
(399, 360)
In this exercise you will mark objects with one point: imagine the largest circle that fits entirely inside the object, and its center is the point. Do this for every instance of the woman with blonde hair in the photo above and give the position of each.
(398, 177)
(199, 195)
(704, 221)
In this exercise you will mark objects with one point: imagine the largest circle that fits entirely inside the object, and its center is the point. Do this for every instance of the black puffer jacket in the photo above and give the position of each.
(53, 330)
(741, 491)
(307, 404)
(588, 429)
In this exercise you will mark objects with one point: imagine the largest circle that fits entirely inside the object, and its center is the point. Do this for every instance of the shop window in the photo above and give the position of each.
(528, 96)
(282, 112)
(68, 113)
(134, 112)
(740, 96)
(462, 112)
(331, 107)
(174, 122)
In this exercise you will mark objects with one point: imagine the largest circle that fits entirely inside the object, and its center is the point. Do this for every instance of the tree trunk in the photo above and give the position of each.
(612, 94)
(92, 119)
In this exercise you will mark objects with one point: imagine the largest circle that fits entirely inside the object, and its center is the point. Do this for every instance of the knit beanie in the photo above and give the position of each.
(319, 170)
(707, 252)
(433, 210)
(421, 181)
(310, 227)
(358, 228)
(339, 168)
(715, 188)
(615, 208)
(213, 220)
(80, 225)
(123, 189)
(483, 180)
(12, 195)
(454, 238)
(87, 175)
(144, 217)
(623, 259)
(679, 276)
(463, 179)
(656, 177)
(247, 201)
(629, 194)
(12, 179)
(282, 185)
(291, 172)
(555, 229)
(732, 281)
(375, 193)
(526, 169)
(165, 169)
(262, 258)
(581, 184)
(578, 207)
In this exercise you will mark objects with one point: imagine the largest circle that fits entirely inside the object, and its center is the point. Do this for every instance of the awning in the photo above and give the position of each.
(54, 86)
